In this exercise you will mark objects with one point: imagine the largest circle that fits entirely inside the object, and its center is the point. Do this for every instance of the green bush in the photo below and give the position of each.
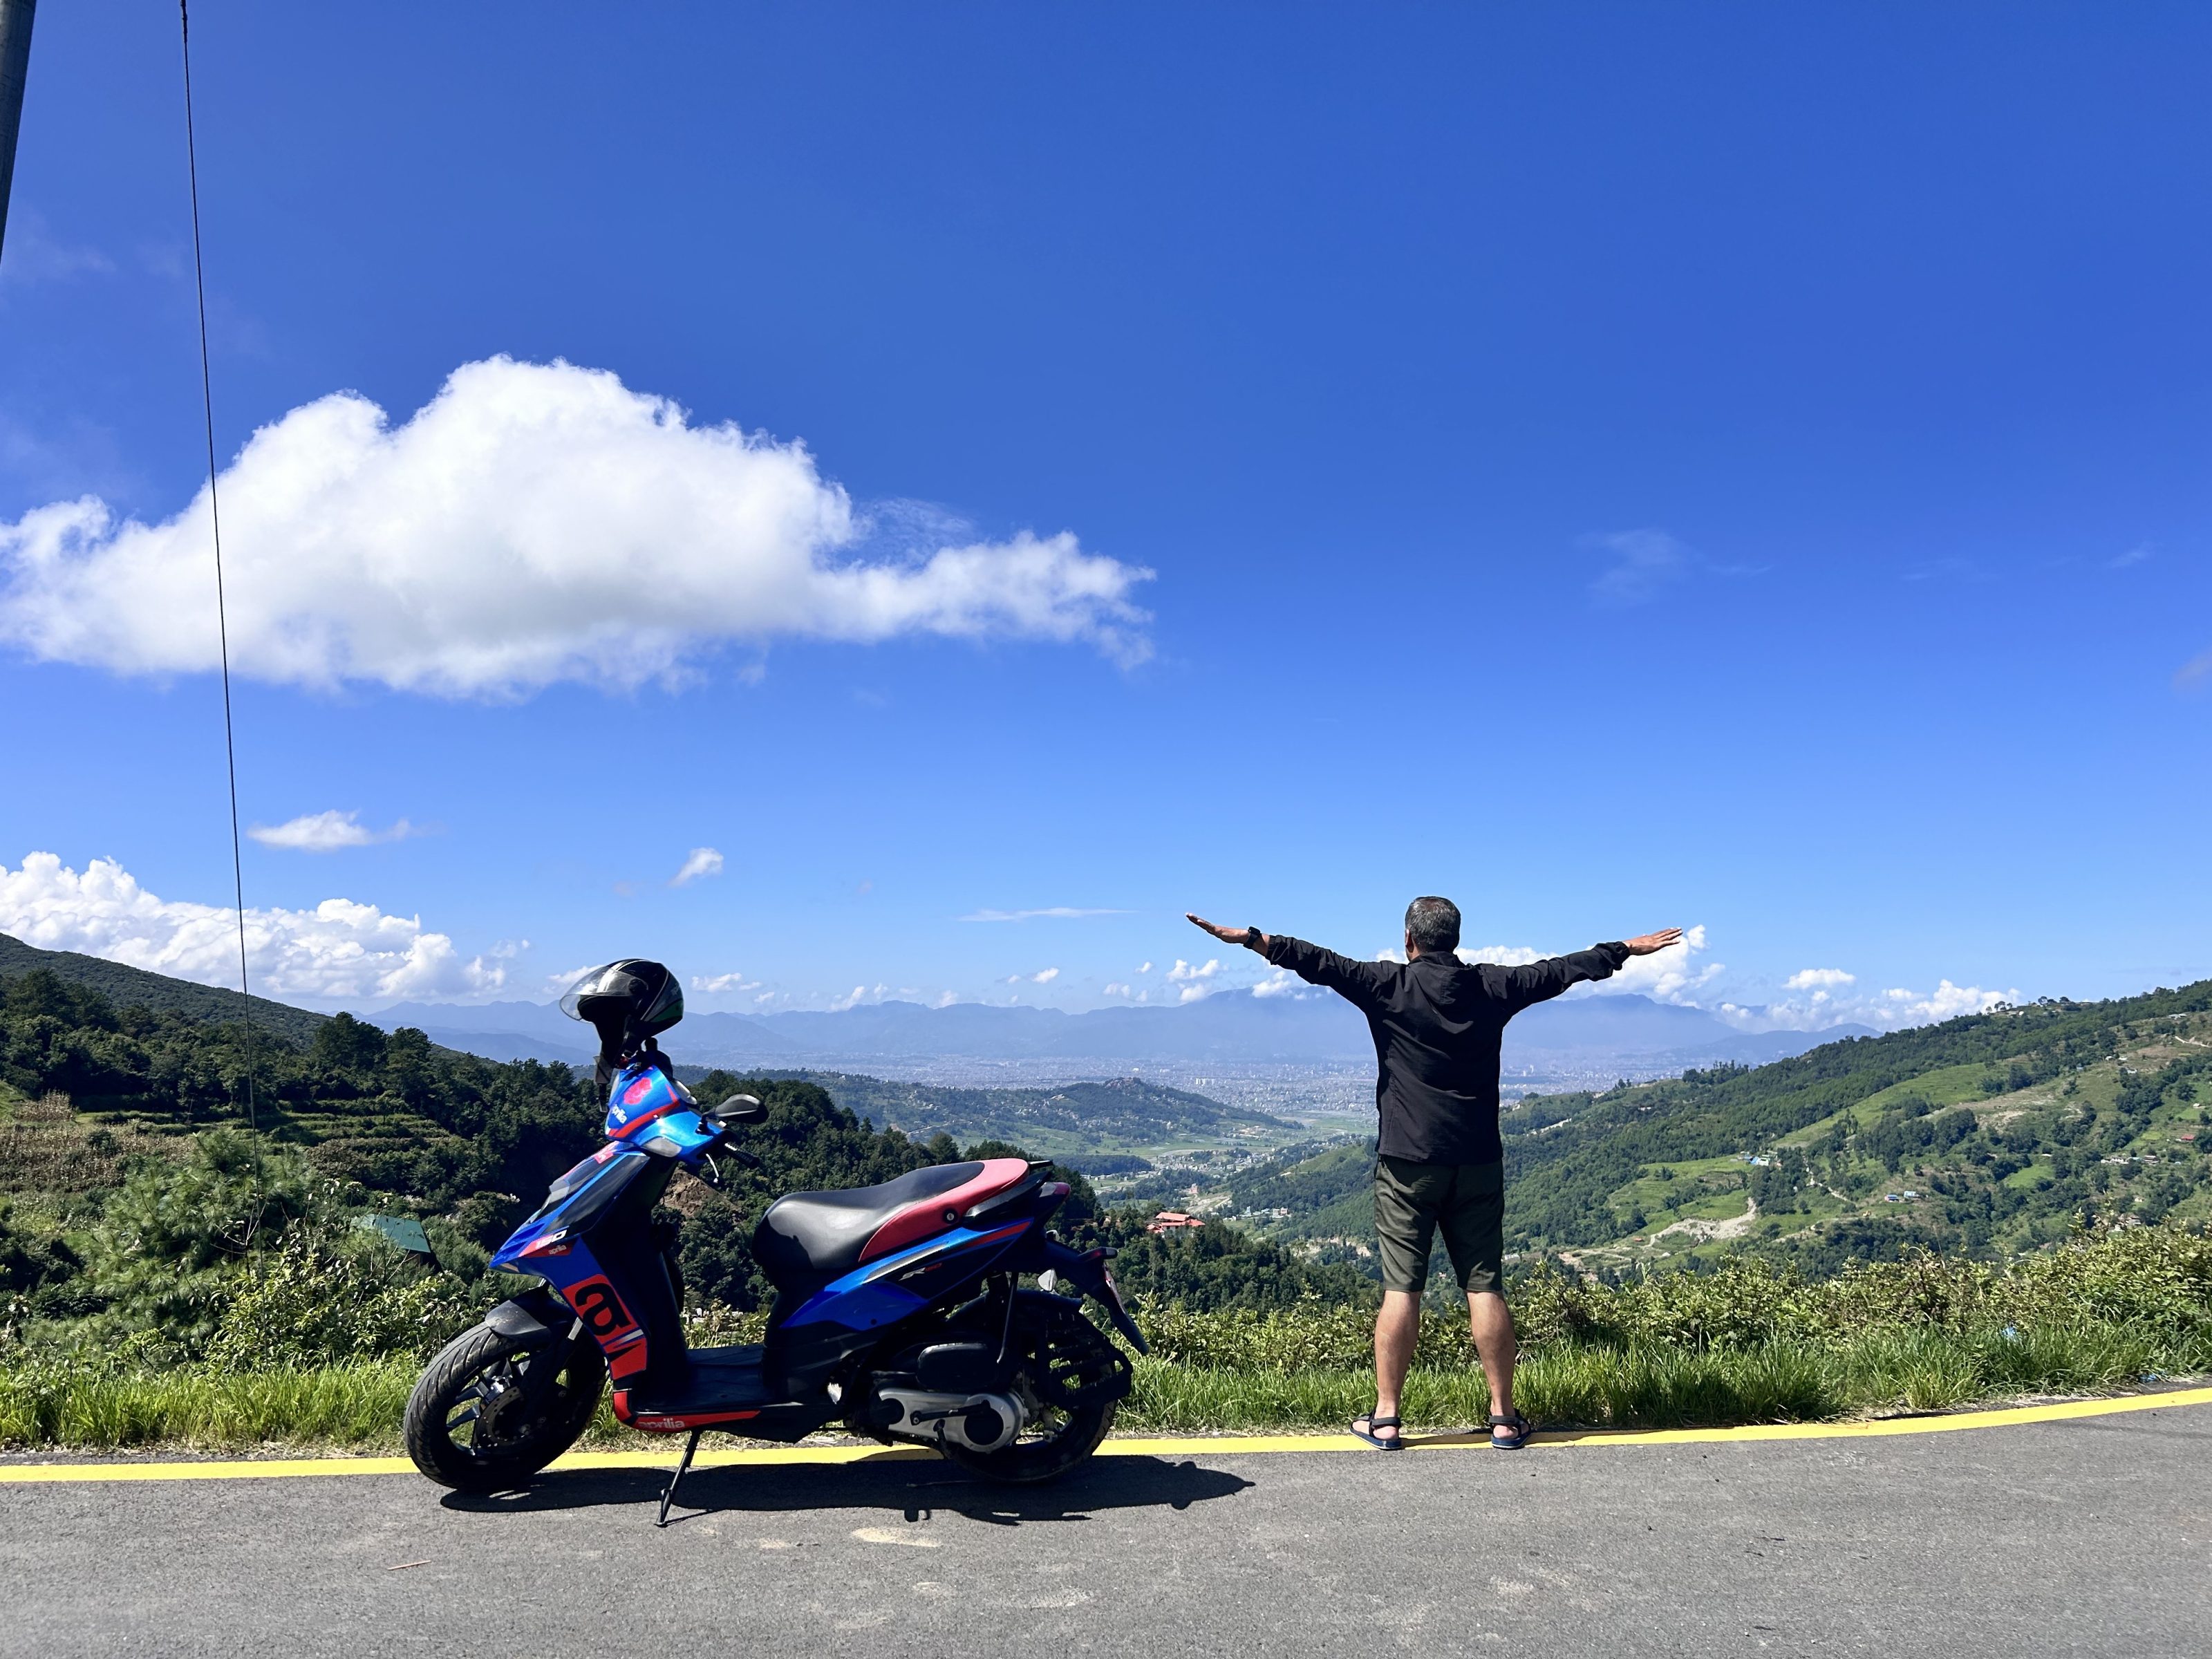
(2156, 1278)
(318, 1300)
(175, 1243)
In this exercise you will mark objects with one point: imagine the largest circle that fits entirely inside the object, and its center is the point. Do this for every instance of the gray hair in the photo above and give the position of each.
(1432, 924)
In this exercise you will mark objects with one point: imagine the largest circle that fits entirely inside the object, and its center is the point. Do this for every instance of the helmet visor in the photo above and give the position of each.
(593, 981)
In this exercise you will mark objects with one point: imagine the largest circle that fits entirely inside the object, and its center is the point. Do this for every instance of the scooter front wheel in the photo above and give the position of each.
(482, 1419)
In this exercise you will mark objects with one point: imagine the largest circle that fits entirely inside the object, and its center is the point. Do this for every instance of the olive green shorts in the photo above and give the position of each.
(1413, 1200)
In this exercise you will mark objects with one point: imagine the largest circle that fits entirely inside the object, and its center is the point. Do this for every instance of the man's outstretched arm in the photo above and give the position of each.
(1359, 981)
(1539, 981)
(1250, 938)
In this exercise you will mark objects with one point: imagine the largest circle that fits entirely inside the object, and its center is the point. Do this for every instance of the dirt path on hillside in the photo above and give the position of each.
(1704, 1231)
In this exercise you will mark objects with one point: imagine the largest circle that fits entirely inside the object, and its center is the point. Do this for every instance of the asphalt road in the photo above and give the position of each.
(2092, 1536)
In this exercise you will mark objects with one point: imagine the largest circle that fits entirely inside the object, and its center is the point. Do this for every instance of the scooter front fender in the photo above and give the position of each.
(539, 1312)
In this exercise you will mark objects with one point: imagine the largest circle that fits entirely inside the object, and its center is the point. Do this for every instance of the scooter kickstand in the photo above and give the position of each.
(666, 1497)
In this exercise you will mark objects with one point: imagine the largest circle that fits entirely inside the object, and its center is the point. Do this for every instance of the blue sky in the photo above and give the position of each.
(1739, 467)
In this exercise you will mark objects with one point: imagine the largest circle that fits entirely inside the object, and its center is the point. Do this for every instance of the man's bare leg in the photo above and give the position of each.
(1397, 1323)
(1493, 1339)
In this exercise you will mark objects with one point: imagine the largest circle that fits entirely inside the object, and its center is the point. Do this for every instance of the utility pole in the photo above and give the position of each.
(15, 64)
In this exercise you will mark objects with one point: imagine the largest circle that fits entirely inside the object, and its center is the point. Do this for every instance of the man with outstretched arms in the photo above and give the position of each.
(1439, 1164)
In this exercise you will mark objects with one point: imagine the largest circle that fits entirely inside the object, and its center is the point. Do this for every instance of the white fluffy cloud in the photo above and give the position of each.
(1827, 1003)
(1508, 956)
(703, 861)
(1044, 976)
(326, 832)
(1194, 978)
(719, 984)
(1674, 975)
(338, 950)
(1946, 1001)
(1820, 979)
(534, 523)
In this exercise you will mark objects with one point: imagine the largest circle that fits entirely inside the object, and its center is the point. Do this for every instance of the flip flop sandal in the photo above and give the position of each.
(1395, 1442)
(1518, 1428)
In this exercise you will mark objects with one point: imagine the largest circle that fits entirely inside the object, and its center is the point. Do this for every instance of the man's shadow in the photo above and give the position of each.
(914, 1489)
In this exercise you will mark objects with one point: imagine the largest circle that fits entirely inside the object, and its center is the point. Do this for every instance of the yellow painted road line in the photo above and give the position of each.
(285, 1468)
(1185, 1446)
(2061, 1412)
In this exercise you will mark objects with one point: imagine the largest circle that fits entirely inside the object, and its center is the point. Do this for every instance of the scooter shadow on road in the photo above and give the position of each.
(912, 1489)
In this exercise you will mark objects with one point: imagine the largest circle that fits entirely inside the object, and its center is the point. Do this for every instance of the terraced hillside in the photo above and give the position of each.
(86, 1084)
(1993, 1134)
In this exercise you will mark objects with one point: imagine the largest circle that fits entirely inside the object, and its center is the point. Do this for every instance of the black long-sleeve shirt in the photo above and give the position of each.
(1438, 1024)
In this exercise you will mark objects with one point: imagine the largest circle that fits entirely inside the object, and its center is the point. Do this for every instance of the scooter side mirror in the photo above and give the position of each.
(739, 1108)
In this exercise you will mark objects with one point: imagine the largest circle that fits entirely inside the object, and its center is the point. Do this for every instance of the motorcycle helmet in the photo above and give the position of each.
(626, 1002)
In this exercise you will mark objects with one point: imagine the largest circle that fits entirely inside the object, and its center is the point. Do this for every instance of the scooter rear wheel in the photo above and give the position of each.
(1029, 1461)
(1070, 1379)
(471, 1424)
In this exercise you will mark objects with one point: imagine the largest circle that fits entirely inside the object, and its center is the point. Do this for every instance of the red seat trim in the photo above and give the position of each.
(925, 1216)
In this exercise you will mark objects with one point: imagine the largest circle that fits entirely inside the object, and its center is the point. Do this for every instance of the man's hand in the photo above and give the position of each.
(1639, 947)
(1250, 938)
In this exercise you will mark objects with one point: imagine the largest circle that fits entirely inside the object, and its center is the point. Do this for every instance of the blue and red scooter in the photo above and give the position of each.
(900, 1310)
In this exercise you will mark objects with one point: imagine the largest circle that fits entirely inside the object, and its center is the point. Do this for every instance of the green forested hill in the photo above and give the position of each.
(93, 1082)
(136, 987)
(1992, 1133)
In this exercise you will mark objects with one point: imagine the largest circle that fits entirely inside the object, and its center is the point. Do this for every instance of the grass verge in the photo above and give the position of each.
(1654, 1388)
(358, 1406)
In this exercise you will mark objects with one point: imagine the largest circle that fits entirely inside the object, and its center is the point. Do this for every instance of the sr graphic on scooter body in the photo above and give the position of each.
(901, 1310)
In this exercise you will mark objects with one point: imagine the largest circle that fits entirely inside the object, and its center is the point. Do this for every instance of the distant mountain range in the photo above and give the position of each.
(1228, 1027)
(1231, 1027)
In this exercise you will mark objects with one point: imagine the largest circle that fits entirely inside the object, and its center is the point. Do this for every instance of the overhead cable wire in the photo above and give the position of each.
(223, 621)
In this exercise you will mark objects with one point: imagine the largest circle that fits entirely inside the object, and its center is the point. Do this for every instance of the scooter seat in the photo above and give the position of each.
(810, 1238)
